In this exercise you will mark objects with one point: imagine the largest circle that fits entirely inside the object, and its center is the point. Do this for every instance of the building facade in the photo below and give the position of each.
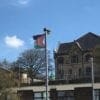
(73, 74)
(58, 92)
(73, 59)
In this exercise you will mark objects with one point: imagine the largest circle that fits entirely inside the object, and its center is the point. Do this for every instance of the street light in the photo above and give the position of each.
(46, 31)
(92, 75)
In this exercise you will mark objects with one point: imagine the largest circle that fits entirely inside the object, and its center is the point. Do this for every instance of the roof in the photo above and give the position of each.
(65, 47)
(59, 86)
(86, 42)
(4, 69)
(89, 41)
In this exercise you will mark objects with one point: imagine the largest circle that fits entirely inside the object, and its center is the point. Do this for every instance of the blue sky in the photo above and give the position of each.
(67, 20)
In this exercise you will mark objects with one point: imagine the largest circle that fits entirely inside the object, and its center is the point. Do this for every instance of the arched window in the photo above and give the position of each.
(87, 57)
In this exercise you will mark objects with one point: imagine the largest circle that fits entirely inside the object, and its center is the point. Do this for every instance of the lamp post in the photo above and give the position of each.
(92, 75)
(46, 32)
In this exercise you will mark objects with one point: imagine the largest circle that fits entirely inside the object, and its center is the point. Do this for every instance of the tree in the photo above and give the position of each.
(17, 70)
(5, 64)
(6, 81)
(33, 63)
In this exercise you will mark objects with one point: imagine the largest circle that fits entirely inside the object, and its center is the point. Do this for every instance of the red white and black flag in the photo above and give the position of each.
(39, 40)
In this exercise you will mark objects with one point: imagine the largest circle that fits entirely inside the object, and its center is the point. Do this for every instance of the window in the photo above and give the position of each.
(61, 72)
(60, 60)
(70, 71)
(74, 59)
(65, 95)
(40, 95)
(80, 71)
(88, 71)
(67, 60)
(87, 57)
(97, 94)
(61, 93)
(69, 74)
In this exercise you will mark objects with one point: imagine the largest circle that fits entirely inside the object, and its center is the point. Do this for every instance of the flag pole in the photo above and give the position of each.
(46, 31)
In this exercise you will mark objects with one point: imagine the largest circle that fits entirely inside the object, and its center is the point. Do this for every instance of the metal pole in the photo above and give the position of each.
(93, 95)
(19, 82)
(19, 77)
(46, 61)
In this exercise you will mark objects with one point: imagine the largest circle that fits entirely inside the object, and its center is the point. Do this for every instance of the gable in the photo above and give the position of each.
(89, 41)
(86, 42)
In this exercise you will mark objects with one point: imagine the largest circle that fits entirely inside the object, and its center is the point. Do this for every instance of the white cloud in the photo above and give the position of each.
(13, 41)
(23, 2)
(20, 2)
(16, 3)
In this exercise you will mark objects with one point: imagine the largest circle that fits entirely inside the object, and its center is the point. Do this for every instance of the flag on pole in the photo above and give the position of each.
(39, 41)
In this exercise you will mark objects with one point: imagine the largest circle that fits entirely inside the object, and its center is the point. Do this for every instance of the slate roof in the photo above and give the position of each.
(65, 47)
(89, 41)
(86, 42)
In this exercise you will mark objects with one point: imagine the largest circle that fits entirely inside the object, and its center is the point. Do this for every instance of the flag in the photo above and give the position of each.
(39, 40)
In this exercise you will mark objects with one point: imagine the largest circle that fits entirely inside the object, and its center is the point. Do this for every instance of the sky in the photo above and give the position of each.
(66, 19)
